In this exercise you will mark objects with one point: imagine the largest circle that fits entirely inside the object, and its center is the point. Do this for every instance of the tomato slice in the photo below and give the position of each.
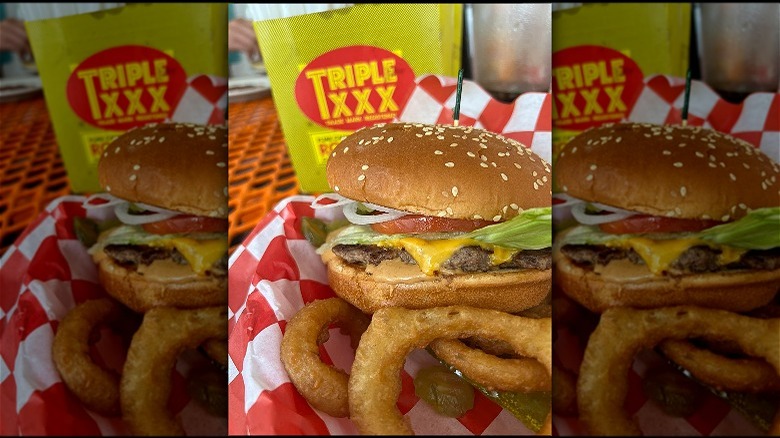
(415, 223)
(656, 224)
(187, 224)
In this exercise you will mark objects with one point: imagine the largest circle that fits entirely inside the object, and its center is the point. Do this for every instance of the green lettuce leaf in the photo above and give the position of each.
(136, 235)
(759, 230)
(529, 230)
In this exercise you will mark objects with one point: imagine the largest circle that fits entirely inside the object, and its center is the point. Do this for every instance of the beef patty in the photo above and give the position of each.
(696, 259)
(133, 255)
(466, 259)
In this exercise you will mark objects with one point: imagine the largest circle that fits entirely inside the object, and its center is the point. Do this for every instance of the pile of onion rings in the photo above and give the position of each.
(140, 394)
(622, 332)
(368, 396)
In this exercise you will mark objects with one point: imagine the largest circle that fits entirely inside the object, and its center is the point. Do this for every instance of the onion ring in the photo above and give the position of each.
(322, 385)
(564, 391)
(622, 332)
(145, 386)
(394, 332)
(721, 372)
(96, 387)
(494, 373)
(217, 351)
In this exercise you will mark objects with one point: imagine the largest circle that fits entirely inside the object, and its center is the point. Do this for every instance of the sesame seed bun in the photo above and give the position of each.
(671, 170)
(163, 285)
(439, 170)
(444, 171)
(626, 285)
(177, 166)
(510, 291)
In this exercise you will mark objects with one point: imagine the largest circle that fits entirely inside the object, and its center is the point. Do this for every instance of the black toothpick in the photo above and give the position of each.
(456, 111)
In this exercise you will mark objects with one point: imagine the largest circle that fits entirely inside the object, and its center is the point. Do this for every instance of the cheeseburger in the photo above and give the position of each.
(439, 215)
(167, 185)
(667, 215)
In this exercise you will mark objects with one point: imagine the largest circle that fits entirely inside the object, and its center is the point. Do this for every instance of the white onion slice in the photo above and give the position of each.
(386, 214)
(110, 201)
(340, 201)
(568, 200)
(578, 210)
(124, 215)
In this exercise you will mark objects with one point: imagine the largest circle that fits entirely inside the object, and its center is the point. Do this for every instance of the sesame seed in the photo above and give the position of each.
(536, 186)
(678, 164)
(346, 149)
(667, 152)
(116, 151)
(390, 140)
(454, 191)
(483, 164)
(162, 139)
(452, 145)
(504, 177)
(683, 191)
(592, 167)
(108, 188)
(449, 164)
(471, 154)
(361, 177)
(589, 177)
(438, 152)
(221, 164)
(336, 188)
(364, 167)
(449, 210)
(518, 166)
(133, 177)
(732, 176)
(496, 218)
(210, 152)
(725, 218)
(418, 135)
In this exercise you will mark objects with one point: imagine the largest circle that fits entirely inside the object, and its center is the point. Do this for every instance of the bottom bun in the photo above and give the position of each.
(141, 293)
(624, 284)
(511, 291)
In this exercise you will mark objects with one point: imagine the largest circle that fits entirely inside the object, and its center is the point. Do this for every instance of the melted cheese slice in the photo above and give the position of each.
(430, 254)
(659, 254)
(200, 254)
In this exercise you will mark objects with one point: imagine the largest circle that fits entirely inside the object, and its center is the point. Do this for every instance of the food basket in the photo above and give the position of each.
(276, 271)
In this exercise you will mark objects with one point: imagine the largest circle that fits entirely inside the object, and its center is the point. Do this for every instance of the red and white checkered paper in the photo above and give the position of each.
(276, 271)
(755, 120)
(203, 101)
(43, 275)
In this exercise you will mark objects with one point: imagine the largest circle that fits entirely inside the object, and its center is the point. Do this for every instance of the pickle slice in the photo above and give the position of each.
(531, 408)
(444, 391)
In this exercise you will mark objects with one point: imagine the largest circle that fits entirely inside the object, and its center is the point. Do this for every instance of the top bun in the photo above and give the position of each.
(177, 166)
(675, 171)
(440, 170)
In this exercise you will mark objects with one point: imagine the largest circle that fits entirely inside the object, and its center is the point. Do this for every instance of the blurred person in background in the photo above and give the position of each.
(243, 51)
(13, 39)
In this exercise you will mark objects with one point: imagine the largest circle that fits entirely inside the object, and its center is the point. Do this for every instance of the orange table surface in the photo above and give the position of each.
(31, 170)
(32, 173)
(261, 173)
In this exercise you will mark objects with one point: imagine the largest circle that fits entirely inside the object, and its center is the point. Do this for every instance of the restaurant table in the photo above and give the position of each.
(261, 173)
(32, 173)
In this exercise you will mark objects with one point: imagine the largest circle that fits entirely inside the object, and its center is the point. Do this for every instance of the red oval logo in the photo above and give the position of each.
(126, 86)
(593, 85)
(352, 87)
